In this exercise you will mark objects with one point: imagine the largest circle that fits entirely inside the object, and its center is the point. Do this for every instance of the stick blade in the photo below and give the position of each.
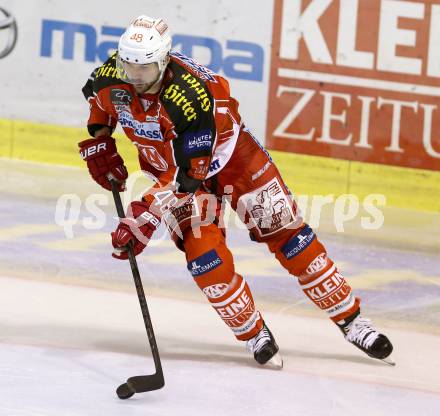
(125, 391)
(140, 384)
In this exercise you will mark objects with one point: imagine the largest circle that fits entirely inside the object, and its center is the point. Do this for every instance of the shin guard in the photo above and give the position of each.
(235, 305)
(305, 257)
(211, 264)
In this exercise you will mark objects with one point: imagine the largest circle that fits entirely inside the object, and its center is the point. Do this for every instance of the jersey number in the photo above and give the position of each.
(137, 37)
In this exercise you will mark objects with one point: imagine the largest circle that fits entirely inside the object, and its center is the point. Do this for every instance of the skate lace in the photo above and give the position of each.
(361, 332)
(258, 341)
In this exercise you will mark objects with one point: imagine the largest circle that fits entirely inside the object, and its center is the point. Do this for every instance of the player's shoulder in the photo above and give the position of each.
(185, 94)
(201, 72)
(105, 75)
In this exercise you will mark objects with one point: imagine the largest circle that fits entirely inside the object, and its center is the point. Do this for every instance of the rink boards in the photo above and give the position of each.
(412, 189)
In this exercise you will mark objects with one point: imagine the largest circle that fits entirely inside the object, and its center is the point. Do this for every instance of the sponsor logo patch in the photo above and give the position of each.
(326, 287)
(199, 167)
(235, 308)
(318, 264)
(269, 207)
(216, 291)
(261, 171)
(202, 96)
(187, 210)
(178, 96)
(146, 130)
(142, 22)
(239, 314)
(198, 141)
(204, 263)
(299, 243)
(215, 164)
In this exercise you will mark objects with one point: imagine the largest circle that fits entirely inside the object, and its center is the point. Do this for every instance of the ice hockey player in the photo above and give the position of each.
(192, 141)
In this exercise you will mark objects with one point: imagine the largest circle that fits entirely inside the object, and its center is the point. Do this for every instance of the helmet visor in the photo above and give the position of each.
(137, 74)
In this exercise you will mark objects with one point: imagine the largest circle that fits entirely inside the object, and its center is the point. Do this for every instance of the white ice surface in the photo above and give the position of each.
(64, 349)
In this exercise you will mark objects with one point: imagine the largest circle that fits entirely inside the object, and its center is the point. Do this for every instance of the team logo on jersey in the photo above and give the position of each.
(148, 130)
(194, 142)
(299, 243)
(152, 156)
(119, 96)
(269, 207)
(204, 263)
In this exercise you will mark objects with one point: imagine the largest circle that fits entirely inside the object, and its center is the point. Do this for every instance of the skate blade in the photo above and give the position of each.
(275, 363)
(389, 361)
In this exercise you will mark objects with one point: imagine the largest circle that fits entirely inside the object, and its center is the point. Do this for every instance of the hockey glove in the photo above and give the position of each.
(136, 229)
(103, 160)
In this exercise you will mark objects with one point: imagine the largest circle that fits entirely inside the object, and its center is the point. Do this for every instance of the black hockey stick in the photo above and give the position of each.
(139, 384)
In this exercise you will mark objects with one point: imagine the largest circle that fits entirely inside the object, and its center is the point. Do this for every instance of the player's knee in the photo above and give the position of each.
(302, 254)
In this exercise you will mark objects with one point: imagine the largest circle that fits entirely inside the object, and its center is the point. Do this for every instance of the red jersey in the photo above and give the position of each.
(184, 134)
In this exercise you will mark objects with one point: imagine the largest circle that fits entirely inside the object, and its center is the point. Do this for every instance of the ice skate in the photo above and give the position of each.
(360, 332)
(265, 349)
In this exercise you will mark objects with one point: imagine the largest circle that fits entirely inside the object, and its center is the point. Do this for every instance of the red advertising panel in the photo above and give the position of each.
(357, 79)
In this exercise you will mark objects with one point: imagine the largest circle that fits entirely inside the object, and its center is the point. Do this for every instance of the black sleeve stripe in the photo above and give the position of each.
(93, 128)
(87, 90)
(104, 76)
